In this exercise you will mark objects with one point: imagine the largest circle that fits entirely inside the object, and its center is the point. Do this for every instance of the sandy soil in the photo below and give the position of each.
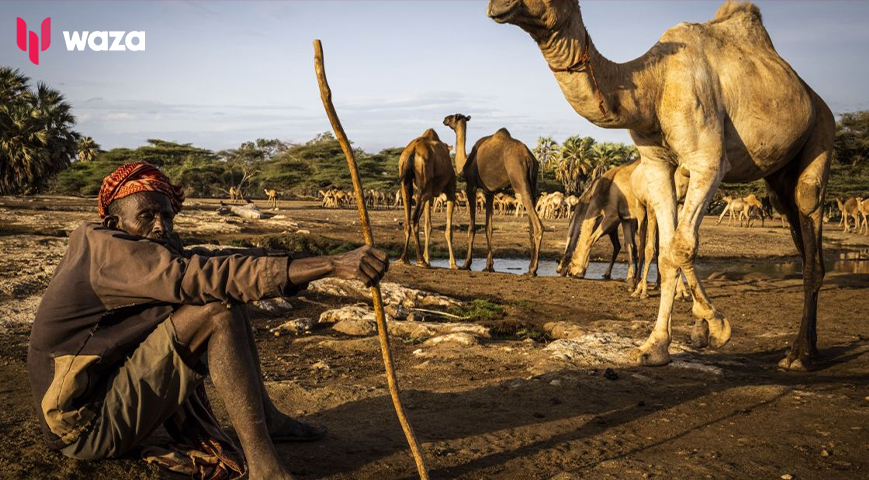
(507, 408)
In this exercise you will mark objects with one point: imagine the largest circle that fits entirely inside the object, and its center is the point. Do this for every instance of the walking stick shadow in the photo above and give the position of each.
(474, 433)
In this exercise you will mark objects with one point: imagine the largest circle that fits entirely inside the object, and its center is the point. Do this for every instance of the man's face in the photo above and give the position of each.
(144, 214)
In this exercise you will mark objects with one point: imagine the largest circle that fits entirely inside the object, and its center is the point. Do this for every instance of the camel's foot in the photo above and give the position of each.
(423, 264)
(401, 261)
(700, 334)
(465, 266)
(530, 273)
(606, 276)
(453, 266)
(652, 354)
(713, 332)
(640, 292)
(489, 268)
(799, 359)
(683, 296)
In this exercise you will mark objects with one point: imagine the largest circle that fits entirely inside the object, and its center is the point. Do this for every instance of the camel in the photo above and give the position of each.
(864, 211)
(695, 102)
(273, 197)
(602, 208)
(850, 208)
(235, 194)
(742, 208)
(425, 163)
(495, 163)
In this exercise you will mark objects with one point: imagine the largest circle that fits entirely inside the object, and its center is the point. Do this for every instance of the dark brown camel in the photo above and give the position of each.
(495, 163)
(425, 163)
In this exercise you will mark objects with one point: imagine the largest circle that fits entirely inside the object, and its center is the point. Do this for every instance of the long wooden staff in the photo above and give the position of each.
(383, 335)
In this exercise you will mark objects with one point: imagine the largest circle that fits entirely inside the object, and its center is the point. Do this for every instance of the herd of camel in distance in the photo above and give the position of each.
(699, 114)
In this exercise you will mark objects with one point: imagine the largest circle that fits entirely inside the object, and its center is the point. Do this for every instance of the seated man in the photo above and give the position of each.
(129, 319)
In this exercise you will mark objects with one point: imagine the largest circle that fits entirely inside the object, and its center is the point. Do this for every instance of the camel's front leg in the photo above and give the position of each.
(659, 176)
(711, 327)
(451, 204)
(490, 258)
(572, 237)
(650, 250)
(629, 230)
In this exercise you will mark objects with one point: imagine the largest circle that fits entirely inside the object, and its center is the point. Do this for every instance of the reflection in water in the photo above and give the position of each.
(849, 262)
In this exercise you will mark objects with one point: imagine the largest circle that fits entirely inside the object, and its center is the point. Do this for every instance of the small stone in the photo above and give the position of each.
(555, 382)
(787, 476)
(321, 365)
(610, 374)
(825, 452)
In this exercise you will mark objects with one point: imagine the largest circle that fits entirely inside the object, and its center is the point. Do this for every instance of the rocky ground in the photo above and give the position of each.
(507, 396)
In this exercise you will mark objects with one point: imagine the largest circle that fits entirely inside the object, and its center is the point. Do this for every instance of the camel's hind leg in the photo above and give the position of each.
(472, 223)
(406, 190)
(428, 208)
(490, 258)
(418, 209)
(617, 247)
(649, 230)
(801, 188)
(535, 230)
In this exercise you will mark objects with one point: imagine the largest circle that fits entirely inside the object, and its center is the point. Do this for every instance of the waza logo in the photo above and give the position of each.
(38, 43)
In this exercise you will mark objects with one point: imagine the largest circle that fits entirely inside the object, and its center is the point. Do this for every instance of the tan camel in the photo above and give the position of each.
(699, 100)
(235, 194)
(742, 208)
(495, 163)
(864, 211)
(273, 197)
(850, 208)
(606, 204)
(425, 164)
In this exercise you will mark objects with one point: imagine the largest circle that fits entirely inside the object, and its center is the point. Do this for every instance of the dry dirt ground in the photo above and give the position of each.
(507, 408)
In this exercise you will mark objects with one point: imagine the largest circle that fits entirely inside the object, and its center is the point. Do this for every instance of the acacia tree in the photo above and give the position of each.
(36, 136)
(852, 138)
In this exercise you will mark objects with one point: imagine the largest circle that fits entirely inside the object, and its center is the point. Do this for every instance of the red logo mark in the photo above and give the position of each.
(35, 46)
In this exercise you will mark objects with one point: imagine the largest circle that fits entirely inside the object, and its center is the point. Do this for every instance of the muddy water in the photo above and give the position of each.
(848, 262)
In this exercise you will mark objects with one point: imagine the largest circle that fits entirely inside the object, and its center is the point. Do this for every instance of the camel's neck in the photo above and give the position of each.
(613, 86)
(461, 156)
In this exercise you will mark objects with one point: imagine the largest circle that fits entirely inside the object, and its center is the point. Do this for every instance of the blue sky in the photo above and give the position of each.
(216, 74)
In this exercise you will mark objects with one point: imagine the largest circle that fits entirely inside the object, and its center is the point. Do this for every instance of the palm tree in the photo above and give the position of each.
(576, 163)
(87, 149)
(36, 136)
(546, 153)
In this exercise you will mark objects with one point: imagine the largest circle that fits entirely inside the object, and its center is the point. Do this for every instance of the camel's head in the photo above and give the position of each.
(453, 121)
(533, 16)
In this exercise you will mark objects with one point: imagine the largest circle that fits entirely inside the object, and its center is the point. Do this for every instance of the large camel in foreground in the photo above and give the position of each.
(700, 100)
(425, 163)
(495, 163)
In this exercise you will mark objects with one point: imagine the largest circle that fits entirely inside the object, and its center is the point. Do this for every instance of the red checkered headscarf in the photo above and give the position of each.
(138, 177)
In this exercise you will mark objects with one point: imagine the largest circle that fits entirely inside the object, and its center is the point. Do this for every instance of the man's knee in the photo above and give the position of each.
(198, 320)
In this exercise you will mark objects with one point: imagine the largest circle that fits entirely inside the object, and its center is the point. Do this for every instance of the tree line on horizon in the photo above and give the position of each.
(40, 151)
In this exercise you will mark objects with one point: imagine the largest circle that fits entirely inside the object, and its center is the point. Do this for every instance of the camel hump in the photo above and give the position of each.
(431, 135)
(503, 132)
(732, 8)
